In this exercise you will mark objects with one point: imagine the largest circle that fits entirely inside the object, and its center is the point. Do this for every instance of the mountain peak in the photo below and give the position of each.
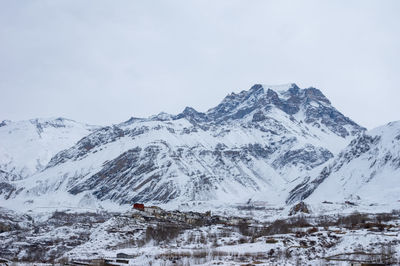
(189, 110)
(310, 103)
(192, 115)
(280, 87)
(131, 121)
(163, 116)
(5, 122)
(287, 97)
(316, 94)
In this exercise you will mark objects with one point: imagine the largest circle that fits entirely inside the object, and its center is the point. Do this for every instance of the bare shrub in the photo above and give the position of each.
(203, 239)
(326, 221)
(5, 227)
(387, 253)
(190, 239)
(352, 220)
(385, 217)
(278, 227)
(162, 232)
(215, 243)
(299, 221)
(312, 230)
(243, 240)
(271, 241)
(244, 228)
(288, 253)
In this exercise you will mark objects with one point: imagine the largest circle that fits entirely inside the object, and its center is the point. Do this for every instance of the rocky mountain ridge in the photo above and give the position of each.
(367, 170)
(26, 147)
(251, 145)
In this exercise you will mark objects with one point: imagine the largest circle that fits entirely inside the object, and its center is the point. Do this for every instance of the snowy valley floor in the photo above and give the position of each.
(158, 237)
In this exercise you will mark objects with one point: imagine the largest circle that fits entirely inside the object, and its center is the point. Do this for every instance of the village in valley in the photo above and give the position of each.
(150, 235)
(154, 213)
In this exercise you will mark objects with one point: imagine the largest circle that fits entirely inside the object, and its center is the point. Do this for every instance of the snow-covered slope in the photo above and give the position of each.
(26, 147)
(249, 146)
(367, 171)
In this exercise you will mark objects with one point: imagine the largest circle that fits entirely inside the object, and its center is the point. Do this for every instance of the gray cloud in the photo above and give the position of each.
(104, 61)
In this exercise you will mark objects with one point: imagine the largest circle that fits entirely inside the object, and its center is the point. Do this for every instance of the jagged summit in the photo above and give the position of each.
(192, 115)
(278, 88)
(261, 101)
(309, 104)
(258, 96)
(287, 97)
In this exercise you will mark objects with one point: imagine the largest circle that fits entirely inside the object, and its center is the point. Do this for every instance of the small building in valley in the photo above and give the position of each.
(153, 209)
(138, 206)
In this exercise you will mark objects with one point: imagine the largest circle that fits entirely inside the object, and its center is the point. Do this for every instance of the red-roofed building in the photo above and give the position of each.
(138, 206)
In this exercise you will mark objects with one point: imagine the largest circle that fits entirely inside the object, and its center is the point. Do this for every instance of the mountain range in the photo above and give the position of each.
(278, 144)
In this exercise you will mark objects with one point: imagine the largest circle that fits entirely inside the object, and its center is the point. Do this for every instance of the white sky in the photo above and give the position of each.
(102, 62)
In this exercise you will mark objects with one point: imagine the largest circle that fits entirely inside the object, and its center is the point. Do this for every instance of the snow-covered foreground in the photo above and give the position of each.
(158, 237)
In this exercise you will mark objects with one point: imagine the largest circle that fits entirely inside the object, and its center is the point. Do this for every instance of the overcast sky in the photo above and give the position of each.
(102, 62)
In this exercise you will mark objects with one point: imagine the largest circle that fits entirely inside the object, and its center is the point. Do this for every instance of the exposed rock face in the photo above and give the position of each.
(300, 207)
(6, 176)
(102, 136)
(252, 143)
(4, 123)
(192, 115)
(139, 169)
(309, 156)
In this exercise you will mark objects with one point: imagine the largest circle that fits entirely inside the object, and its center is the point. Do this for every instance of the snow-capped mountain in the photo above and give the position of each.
(367, 171)
(250, 145)
(26, 147)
